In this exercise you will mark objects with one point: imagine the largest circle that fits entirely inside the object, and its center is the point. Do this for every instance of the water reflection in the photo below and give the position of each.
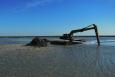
(103, 42)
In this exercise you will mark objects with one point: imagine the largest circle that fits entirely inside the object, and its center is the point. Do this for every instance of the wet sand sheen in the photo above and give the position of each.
(57, 61)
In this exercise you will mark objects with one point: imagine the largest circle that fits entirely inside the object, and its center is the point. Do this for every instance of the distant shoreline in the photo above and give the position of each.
(50, 36)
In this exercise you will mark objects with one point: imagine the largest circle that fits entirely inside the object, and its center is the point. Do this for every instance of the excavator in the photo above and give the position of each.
(66, 39)
(70, 35)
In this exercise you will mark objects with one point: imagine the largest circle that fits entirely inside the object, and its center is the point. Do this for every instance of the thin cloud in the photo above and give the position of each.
(36, 4)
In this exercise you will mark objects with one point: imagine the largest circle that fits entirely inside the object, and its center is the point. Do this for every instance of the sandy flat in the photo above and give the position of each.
(57, 61)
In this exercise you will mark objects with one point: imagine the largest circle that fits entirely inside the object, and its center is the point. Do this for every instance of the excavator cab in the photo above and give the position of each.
(65, 37)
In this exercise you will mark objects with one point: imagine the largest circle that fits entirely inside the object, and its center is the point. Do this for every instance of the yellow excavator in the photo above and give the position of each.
(90, 27)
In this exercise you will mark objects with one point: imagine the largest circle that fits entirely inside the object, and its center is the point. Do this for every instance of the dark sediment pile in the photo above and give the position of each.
(38, 42)
(64, 42)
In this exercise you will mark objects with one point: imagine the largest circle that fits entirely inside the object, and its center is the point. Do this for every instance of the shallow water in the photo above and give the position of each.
(57, 61)
(82, 60)
(110, 41)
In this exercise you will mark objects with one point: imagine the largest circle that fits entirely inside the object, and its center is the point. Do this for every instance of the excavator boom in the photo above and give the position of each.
(90, 27)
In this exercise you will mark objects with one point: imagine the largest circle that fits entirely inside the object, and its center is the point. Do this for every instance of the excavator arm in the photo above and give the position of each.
(90, 27)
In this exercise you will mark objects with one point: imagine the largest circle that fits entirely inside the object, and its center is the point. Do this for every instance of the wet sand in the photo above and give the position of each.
(57, 61)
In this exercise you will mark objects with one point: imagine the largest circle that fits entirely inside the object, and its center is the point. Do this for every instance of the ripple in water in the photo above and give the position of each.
(103, 42)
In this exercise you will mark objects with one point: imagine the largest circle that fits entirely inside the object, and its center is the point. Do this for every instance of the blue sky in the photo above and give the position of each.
(55, 17)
